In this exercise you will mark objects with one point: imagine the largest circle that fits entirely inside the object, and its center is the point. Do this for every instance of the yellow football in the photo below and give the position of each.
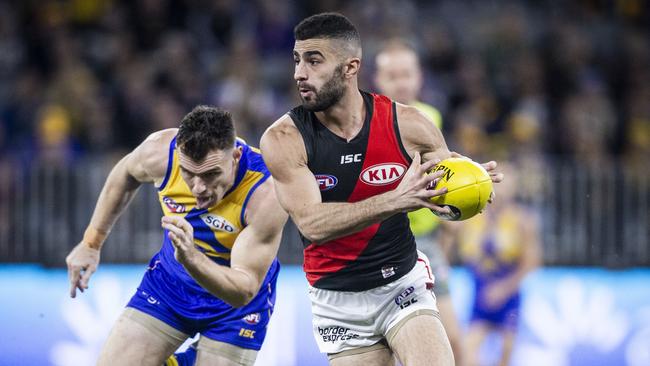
(468, 188)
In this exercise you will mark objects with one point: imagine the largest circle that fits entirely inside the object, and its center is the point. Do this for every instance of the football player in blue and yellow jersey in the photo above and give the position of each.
(398, 75)
(216, 271)
(500, 247)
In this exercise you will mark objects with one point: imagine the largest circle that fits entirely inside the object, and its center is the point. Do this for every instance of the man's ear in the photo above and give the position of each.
(352, 66)
(237, 152)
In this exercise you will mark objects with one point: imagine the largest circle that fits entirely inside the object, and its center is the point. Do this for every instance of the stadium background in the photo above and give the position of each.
(563, 88)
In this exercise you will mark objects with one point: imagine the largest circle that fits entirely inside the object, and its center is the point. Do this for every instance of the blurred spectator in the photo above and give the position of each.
(54, 143)
(518, 72)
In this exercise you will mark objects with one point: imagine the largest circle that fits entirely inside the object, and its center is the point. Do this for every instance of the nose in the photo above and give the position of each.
(198, 187)
(300, 73)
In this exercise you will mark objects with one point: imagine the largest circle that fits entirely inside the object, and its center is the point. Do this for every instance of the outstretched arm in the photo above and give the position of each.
(284, 154)
(146, 164)
(251, 256)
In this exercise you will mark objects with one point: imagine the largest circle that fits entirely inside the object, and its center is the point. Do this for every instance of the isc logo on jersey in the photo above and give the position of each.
(218, 223)
(326, 181)
(382, 174)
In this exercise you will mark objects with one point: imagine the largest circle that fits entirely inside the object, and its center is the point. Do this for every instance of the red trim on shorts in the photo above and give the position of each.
(428, 268)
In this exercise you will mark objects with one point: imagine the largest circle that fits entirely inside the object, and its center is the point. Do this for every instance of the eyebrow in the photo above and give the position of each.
(309, 54)
(213, 170)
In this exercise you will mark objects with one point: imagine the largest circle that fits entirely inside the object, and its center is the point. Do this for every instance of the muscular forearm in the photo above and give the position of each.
(233, 286)
(116, 194)
(322, 222)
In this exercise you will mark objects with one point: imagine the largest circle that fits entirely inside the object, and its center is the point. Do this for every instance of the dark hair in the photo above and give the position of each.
(205, 128)
(327, 25)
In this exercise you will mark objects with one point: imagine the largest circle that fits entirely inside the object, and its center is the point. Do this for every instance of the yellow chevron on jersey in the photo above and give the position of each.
(217, 227)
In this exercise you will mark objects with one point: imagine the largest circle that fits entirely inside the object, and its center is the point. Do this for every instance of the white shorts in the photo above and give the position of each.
(345, 320)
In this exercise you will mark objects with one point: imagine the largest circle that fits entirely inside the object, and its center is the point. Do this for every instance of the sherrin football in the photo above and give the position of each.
(468, 188)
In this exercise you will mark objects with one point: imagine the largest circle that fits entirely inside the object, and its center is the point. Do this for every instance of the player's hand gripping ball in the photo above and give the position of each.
(468, 188)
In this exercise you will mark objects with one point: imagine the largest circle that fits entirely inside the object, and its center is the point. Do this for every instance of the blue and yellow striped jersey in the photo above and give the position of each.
(493, 247)
(217, 227)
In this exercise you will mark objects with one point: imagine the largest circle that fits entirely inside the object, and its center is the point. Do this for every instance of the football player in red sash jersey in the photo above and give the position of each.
(348, 165)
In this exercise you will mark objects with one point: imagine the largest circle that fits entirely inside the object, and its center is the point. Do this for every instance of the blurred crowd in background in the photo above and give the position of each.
(84, 77)
(561, 88)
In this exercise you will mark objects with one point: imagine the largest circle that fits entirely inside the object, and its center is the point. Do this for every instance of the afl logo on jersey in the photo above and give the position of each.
(218, 223)
(382, 174)
(252, 319)
(326, 181)
(173, 206)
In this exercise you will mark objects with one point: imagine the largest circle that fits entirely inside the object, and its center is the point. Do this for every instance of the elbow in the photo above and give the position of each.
(310, 231)
(315, 237)
(239, 301)
(312, 234)
(242, 299)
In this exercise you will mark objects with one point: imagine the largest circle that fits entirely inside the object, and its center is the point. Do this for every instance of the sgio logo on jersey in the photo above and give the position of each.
(382, 174)
(218, 223)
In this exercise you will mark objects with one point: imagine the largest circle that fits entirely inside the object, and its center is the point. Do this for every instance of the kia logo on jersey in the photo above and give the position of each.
(382, 174)
(173, 206)
(326, 181)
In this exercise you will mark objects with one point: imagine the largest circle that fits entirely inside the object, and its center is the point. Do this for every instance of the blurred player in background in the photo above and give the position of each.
(500, 247)
(398, 75)
(347, 166)
(217, 269)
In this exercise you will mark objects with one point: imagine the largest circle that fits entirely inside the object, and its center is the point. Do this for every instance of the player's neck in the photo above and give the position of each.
(345, 118)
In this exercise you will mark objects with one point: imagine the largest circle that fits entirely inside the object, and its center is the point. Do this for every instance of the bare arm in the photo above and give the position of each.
(251, 256)
(420, 134)
(146, 164)
(284, 154)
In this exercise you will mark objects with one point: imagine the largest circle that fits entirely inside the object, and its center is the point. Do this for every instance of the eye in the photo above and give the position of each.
(314, 62)
(210, 175)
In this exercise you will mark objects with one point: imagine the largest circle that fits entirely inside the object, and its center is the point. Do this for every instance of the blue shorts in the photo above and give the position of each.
(165, 297)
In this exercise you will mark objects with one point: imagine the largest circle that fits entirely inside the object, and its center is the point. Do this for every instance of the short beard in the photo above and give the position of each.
(330, 93)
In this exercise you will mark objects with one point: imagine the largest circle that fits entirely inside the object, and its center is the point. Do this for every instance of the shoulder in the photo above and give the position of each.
(419, 133)
(159, 140)
(281, 130)
(264, 208)
(282, 140)
(151, 157)
(431, 112)
(413, 123)
(413, 119)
